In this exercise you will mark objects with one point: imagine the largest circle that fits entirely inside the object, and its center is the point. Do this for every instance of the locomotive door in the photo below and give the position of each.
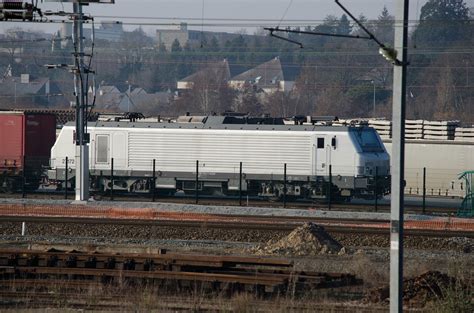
(119, 149)
(102, 150)
(321, 156)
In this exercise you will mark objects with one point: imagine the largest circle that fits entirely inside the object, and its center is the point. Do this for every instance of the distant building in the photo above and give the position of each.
(112, 99)
(166, 37)
(27, 90)
(109, 31)
(267, 77)
(106, 31)
(192, 37)
(138, 100)
(108, 97)
(220, 71)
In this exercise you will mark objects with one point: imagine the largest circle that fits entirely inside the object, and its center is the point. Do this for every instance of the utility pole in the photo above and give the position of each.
(82, 140)
(398, 137)
(80, 71)
(398, 159)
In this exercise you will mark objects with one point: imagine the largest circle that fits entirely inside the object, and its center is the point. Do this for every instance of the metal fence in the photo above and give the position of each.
(30, 175)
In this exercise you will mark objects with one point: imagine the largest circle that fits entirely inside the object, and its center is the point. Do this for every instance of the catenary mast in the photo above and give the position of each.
(81, 105)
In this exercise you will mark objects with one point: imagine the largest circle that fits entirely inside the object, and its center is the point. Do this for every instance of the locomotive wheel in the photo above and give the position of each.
(8, 185)
(32, 187)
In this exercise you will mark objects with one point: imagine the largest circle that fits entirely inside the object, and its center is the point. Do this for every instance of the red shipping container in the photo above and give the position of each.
(27, 136)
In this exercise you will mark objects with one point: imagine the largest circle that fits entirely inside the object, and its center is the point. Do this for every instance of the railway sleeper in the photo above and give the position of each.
(255, 285)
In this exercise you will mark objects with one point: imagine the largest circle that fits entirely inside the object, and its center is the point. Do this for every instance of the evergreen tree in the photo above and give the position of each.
(214, 44)
(357, 30)
(385, 27)
(344, 27)
(442, 22)
(176, 46)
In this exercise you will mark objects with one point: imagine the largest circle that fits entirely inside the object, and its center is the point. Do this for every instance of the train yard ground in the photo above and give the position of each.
(59, 261)
(437, 205)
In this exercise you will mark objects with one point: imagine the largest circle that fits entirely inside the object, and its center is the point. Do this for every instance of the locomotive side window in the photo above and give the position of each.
(102, 155)
(320, 143)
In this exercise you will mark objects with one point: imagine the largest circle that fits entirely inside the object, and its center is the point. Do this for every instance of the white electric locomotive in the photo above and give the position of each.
(352, 160)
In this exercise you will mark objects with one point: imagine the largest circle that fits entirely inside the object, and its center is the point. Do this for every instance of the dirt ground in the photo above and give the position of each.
(365, 256)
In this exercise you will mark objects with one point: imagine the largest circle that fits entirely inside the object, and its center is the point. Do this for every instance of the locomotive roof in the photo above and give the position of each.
(125, 124)
(221, 122)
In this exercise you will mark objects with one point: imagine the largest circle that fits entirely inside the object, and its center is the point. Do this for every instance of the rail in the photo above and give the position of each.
(209, 272)
(91, 214)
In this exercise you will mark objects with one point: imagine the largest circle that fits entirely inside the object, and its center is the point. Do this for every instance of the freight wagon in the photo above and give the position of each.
(443, 161)
(25, 146)
(214, 148)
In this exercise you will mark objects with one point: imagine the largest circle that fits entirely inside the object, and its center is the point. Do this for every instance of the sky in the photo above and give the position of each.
(241, 14)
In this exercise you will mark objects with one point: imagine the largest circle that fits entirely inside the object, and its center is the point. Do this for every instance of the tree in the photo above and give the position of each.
(162, 48)
(134, 48)
(306, 89)
(281, 103)
(248, 101)
(176, 46)
(13, 45)
(344, 27)
(329, 25)
(210, 91)
(385, 27)
(214, 44)
(359, 31)
(442, 22)
(135, 40)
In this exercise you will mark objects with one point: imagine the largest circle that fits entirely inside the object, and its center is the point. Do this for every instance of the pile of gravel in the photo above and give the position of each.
(308, 239)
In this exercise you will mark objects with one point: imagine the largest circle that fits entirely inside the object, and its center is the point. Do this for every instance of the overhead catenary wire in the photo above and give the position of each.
(211, 63)
(454, 48)
(271, 20)
(300, 86)
(236, 50)
(229, 23)
(284, 13)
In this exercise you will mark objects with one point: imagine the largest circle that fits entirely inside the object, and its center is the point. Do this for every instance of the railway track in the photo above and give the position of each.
(335, 226)
(252, 202)
(130, 301)
(209, 273)
(111, 214)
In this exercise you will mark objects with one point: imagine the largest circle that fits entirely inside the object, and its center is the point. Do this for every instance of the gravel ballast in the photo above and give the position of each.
(137, 232)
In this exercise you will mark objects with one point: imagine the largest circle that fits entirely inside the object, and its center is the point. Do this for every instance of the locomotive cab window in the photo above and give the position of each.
(320, 144)
(102, 153)
(333, 142)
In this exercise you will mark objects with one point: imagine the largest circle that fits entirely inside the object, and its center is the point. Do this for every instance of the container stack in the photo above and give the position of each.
(414, 129)
(464, 134)
(440, 130)
(383, 127)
